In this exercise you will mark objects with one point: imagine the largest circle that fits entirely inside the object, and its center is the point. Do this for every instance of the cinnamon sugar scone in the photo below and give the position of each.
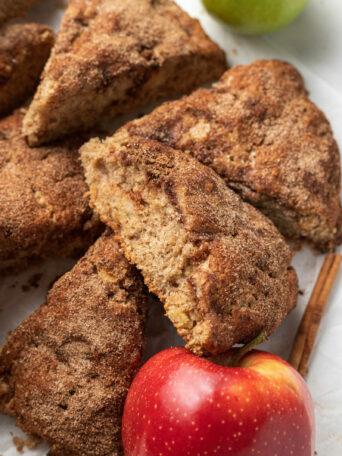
(14, 8)
(65, 371)
(43, 207)
(113, 55)
(220, 267)
(24, 50)
(258, 129)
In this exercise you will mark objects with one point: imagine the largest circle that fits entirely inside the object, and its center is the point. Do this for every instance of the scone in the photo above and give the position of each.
(24, 50)
(258, 129)
(220, 267)
(113, 55)
(65, 371)
(44, 210)
(14, 8)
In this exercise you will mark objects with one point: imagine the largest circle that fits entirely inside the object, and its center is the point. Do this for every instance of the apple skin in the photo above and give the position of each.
(183, 405)
(256, 16)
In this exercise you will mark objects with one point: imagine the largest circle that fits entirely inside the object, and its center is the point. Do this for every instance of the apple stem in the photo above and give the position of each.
(235, 359)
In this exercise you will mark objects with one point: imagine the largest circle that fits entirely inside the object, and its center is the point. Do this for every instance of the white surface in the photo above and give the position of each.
(314, 44)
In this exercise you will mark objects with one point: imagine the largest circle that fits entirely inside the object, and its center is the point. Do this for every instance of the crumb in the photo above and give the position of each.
(34, 280)
(234, 51)
(31, 442)
(301, 292)
(296, 245)
(19, 443)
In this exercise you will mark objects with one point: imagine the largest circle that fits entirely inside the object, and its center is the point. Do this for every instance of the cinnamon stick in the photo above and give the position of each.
(307, 331)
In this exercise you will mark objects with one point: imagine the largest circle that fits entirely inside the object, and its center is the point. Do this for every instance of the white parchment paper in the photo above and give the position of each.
(313, 43)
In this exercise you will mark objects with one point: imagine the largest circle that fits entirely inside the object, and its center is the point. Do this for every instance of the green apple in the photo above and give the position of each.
(256, 16)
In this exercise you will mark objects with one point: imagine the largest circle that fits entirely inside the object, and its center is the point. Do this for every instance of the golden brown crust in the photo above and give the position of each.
(220, 267)
(257, 128)
(10, 9)
(67, 368)
(111, 56)
(24, 50)
(43, 207)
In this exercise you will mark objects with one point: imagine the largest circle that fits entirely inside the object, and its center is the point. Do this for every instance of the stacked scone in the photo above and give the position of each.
(192, 194)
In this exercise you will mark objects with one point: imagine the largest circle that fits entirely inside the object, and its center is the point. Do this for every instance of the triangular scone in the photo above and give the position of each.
(24, 50)
(65, 371)
(14, 8)
(258, 129)
(44, 209)
(112, 55)
(220, 267)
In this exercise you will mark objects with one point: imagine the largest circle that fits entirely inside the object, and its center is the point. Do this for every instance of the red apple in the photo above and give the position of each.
(183, 405)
